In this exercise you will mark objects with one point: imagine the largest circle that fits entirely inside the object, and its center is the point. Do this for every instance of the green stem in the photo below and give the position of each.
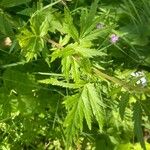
(125, 85)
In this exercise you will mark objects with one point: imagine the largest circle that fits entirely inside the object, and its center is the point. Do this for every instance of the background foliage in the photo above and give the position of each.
(74, 74)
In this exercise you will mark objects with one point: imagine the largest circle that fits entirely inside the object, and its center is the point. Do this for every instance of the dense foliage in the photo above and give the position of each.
(74, 74)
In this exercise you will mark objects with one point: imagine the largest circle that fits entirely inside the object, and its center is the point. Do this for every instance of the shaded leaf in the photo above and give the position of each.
(137, 117)
(12, 3)
(123, 104)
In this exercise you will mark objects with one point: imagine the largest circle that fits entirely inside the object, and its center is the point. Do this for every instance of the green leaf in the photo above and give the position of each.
(87, 107)
(75, 70)
(123, 104)
(96, 103)
(56, 82)
(7, 24)
(69, 101)
(95, 34)
(40, 22)
(19, 81)
(65, 40)
(66, 66)
(31, 44)
(86, 104)
(86, 65)
(27, 11)
(44, 20)
(89, 53)
(32, 40)
(68, 26)
(12, 3)
(137, 117)
(87, 22)
(146, 106)
(44, 27)
(65, 52)
(74, 119)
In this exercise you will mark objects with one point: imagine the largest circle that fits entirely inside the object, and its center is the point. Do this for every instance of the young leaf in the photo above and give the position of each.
(68, 26)
(31, 44)
(65, 40)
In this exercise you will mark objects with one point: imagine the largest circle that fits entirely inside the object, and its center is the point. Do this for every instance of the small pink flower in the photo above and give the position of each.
(114, 38)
